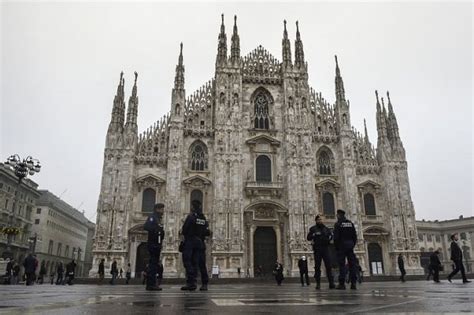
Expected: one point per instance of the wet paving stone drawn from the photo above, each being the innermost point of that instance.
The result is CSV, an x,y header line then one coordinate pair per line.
x,y
262,298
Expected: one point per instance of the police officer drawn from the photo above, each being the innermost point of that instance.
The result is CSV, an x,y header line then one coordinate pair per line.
x,y
156,234
345,239
320,236
195,229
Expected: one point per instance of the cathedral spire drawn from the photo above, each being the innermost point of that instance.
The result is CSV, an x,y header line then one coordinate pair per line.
x,y
391,116
366,135
179,77
118,109
340,94
299,52
132,111
380,118
222,45
286,47
235,47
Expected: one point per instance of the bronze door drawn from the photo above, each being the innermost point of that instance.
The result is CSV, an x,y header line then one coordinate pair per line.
x,y
265,251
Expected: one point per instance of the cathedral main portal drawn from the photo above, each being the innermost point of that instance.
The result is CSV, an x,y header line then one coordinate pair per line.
x,y
265,250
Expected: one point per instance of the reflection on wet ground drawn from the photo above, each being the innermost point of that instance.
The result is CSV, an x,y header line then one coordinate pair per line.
x,y
373,297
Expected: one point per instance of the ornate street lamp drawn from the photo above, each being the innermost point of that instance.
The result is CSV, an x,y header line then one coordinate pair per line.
x,y
21,168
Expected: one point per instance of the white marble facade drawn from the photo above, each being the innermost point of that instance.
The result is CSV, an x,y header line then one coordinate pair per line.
x,y
261,148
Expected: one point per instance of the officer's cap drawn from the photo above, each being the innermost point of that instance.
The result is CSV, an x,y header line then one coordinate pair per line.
x,y
341,212
317,217
159,206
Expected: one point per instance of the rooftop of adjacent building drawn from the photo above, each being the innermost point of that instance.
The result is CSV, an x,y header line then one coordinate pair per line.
x,y
49,199
458,222
9,174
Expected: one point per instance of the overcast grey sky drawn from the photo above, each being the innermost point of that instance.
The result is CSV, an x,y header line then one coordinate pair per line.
x,y
60,66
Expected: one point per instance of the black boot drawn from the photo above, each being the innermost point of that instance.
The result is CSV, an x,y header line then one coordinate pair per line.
x,y
203,287
353,286
188,287
341,286
318,286
331,285
153,288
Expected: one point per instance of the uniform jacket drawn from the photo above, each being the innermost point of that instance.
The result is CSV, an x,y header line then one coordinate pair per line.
x,y
456,252
195,227
101,268
345,235
320,236
155,230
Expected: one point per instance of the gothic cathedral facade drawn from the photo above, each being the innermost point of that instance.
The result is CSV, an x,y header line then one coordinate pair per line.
x,y
265,154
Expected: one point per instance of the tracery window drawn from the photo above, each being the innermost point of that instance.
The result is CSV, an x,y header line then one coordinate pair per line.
x,y
324,163
199,156
262,119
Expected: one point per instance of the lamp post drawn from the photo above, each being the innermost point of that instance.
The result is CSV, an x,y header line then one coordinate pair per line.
x,y
32,240
21,169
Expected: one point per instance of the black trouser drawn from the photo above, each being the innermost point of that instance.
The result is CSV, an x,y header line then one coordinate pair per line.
x,y
59,280
435,273
304,276
155,251
430,272
459,267
322,254
30,278
190,259
202,265
342,254
402,274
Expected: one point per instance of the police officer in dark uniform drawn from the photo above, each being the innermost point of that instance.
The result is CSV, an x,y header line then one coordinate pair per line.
x,y
320,236
195,229
156,234
345,239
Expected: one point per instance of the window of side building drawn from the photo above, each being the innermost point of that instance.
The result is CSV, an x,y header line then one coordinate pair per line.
x,y
430,238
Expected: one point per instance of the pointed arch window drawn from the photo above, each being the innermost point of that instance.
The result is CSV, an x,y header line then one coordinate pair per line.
x,y
148,200
264,169
198,156
324,163
261,103
328,204
369,204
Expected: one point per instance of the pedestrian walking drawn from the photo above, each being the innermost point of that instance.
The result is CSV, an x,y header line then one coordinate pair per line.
x,y
113,272
51,277
278,273
435,265
320,237
238,272
360,272
15,273
159,274
70,271
456,257
60,272
195,229
401,267
9,271
144,273
156,234
303,267
345,239
101,270
120,273
128,274
30,268
42,272
430,272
